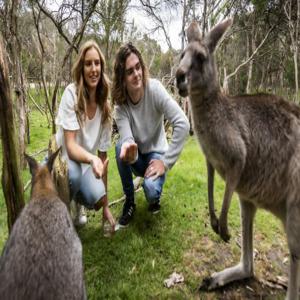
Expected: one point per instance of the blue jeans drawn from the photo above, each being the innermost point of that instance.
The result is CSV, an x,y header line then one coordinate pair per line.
x,y
152,188
85,189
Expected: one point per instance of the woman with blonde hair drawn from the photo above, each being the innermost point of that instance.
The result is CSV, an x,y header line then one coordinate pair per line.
x,y
84,130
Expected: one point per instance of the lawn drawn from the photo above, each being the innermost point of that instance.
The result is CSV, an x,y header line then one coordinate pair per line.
x,y
134,263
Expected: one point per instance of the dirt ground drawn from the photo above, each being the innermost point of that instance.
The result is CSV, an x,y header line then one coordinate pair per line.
x,y
270,267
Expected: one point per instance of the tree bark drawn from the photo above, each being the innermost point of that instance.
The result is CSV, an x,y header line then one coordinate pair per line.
x,y
294,33
14,48
11,177
251,45
60,174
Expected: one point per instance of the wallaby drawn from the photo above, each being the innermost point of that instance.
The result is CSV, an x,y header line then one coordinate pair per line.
x,y
42,258
253,141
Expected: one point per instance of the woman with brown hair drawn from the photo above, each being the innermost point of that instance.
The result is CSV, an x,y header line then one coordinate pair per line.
x,y
84,128
141,104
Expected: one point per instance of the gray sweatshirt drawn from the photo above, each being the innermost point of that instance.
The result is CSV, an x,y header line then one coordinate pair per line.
x,y
142,123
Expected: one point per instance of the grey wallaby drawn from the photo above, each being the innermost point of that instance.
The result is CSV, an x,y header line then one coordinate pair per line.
x,y
42,258
253,142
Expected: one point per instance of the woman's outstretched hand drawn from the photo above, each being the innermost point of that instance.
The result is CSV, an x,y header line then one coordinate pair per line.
x,y
107,216
128,152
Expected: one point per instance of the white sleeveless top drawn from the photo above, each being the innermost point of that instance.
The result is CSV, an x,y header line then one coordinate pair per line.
x,y
92,136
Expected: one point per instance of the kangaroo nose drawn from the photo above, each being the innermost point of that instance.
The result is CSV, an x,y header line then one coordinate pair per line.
x,y
180,76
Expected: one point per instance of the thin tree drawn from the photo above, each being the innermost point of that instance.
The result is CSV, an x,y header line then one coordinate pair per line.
x,y
11,175
72,44
13,45
293,16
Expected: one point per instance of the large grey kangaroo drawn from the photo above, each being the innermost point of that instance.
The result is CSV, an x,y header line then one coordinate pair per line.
x,y
253,142
42,258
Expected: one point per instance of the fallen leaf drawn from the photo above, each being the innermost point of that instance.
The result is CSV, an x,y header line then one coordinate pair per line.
x,y
173,279
285,260
153,263
132,270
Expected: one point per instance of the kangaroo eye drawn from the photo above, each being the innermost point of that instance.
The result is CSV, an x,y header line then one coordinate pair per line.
x,y
182,55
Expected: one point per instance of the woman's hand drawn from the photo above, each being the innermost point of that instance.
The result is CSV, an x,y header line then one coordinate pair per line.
x,y
98,167
155,169
107,215
128,152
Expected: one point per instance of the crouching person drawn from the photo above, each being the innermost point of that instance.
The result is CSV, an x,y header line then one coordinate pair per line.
x,y
42,258
84,128
141,105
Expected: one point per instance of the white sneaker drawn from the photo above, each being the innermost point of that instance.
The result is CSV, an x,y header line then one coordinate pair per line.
x,y
80,218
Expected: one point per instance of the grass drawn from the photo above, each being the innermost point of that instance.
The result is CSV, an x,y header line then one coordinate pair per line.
x,y
134,263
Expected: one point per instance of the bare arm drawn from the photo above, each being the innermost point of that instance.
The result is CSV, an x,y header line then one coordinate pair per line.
x,y
104,159
106,211
79,154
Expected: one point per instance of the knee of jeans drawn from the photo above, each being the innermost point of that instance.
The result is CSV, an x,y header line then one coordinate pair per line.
x,y
152,190
75,179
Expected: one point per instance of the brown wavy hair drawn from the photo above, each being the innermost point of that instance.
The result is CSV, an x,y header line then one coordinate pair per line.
x,y
103,86
119,91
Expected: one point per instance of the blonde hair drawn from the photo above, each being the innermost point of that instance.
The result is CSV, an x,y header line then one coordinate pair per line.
x,y
103,86
119,92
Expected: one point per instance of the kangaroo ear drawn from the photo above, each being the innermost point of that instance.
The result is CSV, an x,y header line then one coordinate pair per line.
x,y
33,164
51,159
212,38
193,32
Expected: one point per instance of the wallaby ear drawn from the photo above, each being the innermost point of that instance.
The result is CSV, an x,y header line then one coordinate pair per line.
x,y
193,32
212,38
51,159
33,164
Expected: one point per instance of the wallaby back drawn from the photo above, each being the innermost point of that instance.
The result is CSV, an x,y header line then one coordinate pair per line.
x,y
42,258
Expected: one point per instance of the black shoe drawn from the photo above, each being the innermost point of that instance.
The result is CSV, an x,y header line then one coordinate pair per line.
x,y
154,207
127,215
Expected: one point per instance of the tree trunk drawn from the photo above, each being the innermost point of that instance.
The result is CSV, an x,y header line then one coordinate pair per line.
x,y
60,174
11,177
14,47
225,82
184,17
251,47
296,72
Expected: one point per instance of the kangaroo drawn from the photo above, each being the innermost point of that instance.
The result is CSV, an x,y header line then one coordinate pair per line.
x,y
253,142
42,258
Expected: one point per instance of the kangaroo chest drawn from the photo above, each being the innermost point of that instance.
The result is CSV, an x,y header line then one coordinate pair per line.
x,y
212,147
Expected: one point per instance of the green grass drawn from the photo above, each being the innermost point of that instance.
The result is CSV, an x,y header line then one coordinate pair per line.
x,y
39,133
134,263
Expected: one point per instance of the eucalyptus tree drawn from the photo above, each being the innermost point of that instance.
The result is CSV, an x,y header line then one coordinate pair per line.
x,y
292,13
10,11
109,25
11,173
70,19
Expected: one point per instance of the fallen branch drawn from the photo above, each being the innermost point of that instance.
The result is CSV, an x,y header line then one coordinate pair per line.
x,y
278,283
137,187
122,198
39,152
27,185
36,105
